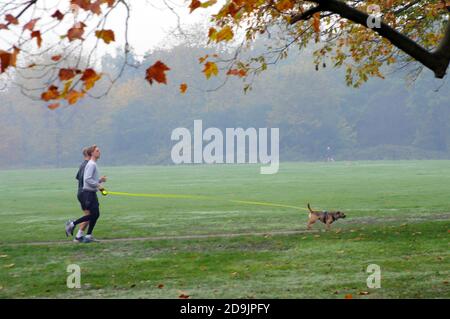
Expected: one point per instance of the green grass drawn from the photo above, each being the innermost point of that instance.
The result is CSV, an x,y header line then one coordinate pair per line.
x,y
397,217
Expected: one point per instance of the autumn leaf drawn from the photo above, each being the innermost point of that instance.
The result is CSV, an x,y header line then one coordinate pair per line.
x,y
284,5
8,59
348,296
37,35
51,94
89,78
84,4
3,26
157,72
73,96
105,35
183,88
210,69
66,89
203,59
226,34
11,19
58,15
241,73
56,58
30,25
363,293
316,22
160,286
183,296
95,7
76,32
53,106
66,74
194,5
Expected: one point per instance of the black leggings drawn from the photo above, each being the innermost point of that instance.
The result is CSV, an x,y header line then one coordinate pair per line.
x,y
94,214
91,202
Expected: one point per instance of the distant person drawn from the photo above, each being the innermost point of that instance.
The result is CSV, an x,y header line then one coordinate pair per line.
x,y
80,177
329,155
91,184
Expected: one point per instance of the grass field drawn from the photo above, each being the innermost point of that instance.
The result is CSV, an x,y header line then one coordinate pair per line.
x,y
397,217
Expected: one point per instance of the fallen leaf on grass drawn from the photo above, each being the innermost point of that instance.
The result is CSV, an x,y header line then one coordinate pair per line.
x,y
445,282
348,296
363,293
183,296
160,286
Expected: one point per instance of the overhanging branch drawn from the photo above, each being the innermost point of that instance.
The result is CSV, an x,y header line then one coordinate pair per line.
x,y
436,61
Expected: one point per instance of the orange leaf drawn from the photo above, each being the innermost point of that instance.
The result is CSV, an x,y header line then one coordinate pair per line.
x,y
183,88
56,58
95,7
194,5
3,26
8,59
5,60
284,5
58,15
37,35
76,31
202,59
84,4
73,96
11,19
30,25
226,34
316,22
183,296
53,106
66,74
157,72
51,94
105,35
348,296
241,73
160,286
210,69
89,78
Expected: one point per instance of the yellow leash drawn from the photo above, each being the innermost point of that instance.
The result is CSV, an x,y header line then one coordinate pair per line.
x,y
179,196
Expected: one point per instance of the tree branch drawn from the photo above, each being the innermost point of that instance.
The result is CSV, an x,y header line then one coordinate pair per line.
x,y
436,61
306,15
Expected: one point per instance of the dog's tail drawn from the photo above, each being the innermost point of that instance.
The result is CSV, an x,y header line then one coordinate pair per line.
x,y
309,207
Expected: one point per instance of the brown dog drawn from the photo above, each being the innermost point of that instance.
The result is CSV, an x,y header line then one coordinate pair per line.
x,y
325,217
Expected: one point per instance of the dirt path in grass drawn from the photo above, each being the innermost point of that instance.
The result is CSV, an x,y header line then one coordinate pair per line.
x,y
360,221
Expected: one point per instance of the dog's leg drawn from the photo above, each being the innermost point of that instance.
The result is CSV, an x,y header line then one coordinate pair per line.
x,y
311,221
